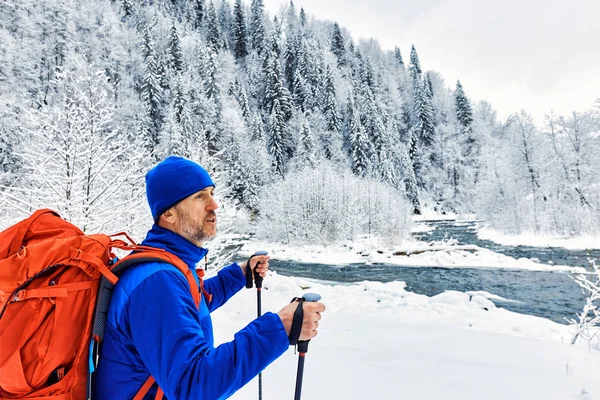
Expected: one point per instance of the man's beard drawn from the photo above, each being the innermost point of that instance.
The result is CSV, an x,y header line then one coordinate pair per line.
x,y
191,230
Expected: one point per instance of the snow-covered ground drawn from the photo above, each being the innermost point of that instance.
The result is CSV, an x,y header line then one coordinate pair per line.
x,y
379,341
418,254
571,243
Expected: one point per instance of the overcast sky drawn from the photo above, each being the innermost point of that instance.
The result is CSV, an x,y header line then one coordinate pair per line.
x,y
537,55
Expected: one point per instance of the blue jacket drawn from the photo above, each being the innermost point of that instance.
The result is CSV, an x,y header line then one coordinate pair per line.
x,y
154,328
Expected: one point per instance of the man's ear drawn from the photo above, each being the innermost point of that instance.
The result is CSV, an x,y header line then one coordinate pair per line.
x,y
168,217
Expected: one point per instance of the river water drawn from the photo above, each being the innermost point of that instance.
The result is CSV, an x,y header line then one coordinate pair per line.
x,y
552,295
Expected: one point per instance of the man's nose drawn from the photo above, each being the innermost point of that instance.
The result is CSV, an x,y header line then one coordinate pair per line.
x,y
212,205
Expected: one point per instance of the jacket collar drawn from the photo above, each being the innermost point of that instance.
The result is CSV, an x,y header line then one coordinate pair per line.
x,y
176,244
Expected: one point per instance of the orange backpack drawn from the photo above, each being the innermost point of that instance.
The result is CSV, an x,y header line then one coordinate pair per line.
x,y
55,289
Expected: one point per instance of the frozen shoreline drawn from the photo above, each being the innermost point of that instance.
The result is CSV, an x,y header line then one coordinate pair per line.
x,y
419,254
569,243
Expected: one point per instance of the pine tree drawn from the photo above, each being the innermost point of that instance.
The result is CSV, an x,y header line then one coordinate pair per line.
x,y
371,120
275,90
213,36
414,60
196,11
330,109
175,53
366,74
464,113
386,162
244,104
212,83
302,17
152,94
428,86
398,57
275,38
291,16
424,124
300,92
410,182
466,169
290,59
162,61
258,131
278,145
306,145
337,45
359,147
257,26
183,127
225,17
240,40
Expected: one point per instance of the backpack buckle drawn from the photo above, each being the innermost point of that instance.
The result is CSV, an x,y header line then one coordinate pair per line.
x,y
20,295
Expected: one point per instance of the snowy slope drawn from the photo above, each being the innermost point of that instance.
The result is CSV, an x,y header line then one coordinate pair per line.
x,y
379,341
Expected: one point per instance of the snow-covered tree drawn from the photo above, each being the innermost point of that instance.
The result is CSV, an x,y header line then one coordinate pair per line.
x,y
306,146
78,160
153,95
196,12
464,113
257,26
337,44
398,57
240,39
359,147
414,60
211,25
278,142
175,52
587,324
225,17
275,90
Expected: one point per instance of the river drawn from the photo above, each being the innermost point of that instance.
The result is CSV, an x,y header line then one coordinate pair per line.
x,y
552,295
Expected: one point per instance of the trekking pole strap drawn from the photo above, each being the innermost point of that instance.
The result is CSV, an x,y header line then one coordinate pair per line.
x,y
296,322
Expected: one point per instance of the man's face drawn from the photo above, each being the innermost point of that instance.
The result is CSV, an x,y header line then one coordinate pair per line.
x,y
195,215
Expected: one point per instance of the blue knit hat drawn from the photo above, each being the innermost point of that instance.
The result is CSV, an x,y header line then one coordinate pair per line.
x,y
171,181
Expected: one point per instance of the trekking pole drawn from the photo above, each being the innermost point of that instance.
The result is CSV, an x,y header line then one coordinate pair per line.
x,y
302,344
258,282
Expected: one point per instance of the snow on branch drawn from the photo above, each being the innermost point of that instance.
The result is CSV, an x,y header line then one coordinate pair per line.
x,y
587,324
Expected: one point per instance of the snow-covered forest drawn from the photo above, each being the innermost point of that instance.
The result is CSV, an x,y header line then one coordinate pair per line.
x,y
311,134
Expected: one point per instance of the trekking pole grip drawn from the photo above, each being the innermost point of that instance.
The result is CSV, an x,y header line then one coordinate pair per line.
x,y
302,344
298,320
257,278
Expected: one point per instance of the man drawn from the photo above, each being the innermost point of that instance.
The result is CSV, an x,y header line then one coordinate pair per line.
x,y
153,326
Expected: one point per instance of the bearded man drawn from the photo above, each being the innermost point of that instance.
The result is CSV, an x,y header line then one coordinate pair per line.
x,y
155,336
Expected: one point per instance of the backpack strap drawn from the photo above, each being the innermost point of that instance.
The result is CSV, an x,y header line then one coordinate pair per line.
x,y
146,387
144,254
159,255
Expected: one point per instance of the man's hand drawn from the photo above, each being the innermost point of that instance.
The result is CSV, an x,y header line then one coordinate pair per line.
x,y
261,269
312,316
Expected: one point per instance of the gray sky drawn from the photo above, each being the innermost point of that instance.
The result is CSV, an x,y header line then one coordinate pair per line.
x,y
539,55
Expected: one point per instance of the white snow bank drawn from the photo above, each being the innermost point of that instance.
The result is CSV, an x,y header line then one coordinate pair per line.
x,y
420,254
570,243
378,341
422,228
490,296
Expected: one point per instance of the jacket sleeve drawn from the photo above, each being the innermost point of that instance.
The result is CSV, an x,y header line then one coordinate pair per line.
x,y
165,329
225,284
